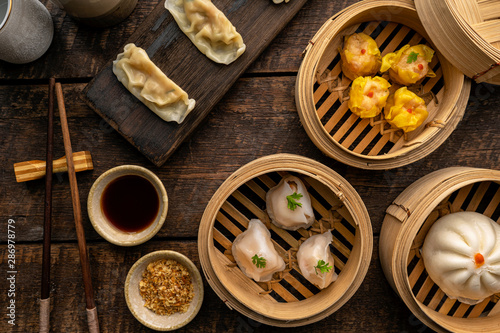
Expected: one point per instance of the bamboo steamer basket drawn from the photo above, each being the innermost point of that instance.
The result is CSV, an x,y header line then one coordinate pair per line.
x,y
289,300
372,143
403,232
467,32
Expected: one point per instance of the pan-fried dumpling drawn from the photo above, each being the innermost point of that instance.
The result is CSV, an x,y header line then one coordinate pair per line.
x,y
150,85
316,261
289,204
461,253
208,28
255,254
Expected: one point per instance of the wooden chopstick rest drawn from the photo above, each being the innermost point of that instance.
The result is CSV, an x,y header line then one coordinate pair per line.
x,y
31,170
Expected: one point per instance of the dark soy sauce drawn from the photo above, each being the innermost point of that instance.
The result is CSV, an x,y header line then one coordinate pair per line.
x,y
130,203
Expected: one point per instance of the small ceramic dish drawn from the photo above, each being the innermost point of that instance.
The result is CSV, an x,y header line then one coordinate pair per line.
x,y
104,227
147,317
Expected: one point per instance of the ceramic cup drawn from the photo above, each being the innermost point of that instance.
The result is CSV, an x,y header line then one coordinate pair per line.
x,y
99,220
26,30
97,13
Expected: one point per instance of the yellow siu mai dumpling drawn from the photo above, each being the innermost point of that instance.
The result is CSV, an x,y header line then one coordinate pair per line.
x,y
405,110
360,56
409,64
368,96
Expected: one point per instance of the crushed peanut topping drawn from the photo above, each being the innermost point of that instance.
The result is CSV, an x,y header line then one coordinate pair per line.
x,y
166,287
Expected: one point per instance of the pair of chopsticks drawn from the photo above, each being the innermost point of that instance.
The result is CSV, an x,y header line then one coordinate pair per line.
x,y
77,214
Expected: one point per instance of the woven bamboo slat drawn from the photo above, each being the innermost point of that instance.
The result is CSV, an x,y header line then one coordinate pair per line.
x,y
289,300
405,226
372,143
467,32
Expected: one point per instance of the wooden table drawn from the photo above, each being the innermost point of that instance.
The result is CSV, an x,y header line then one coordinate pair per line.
x,y
257,117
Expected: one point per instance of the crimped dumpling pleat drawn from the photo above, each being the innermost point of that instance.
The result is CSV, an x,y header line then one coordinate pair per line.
x,y
208,28
150,85
491,282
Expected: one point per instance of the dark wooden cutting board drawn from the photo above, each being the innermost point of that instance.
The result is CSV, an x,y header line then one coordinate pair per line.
x,y
258,22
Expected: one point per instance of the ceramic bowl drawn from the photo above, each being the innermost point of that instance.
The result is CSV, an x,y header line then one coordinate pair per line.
x,y
101,223
147,317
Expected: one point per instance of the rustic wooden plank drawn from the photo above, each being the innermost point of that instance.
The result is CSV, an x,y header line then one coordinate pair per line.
x,y
283,55
256,117
79,51
241,129
203,80
377,307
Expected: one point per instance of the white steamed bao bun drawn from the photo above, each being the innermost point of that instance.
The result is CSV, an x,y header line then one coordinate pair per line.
x,y
461,254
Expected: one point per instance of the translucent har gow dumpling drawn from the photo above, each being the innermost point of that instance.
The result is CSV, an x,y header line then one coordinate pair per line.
x,y
255,254
316,261
289,204
461,253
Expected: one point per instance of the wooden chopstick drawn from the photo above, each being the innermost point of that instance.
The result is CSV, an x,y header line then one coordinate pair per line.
x,y
77,213
45,294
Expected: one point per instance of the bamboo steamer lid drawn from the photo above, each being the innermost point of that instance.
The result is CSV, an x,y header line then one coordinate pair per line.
x,y
467,32
405,226
289,300
372,143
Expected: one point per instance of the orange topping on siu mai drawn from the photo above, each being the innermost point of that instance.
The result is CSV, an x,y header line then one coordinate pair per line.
x,y
363,51
420,66
370,94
